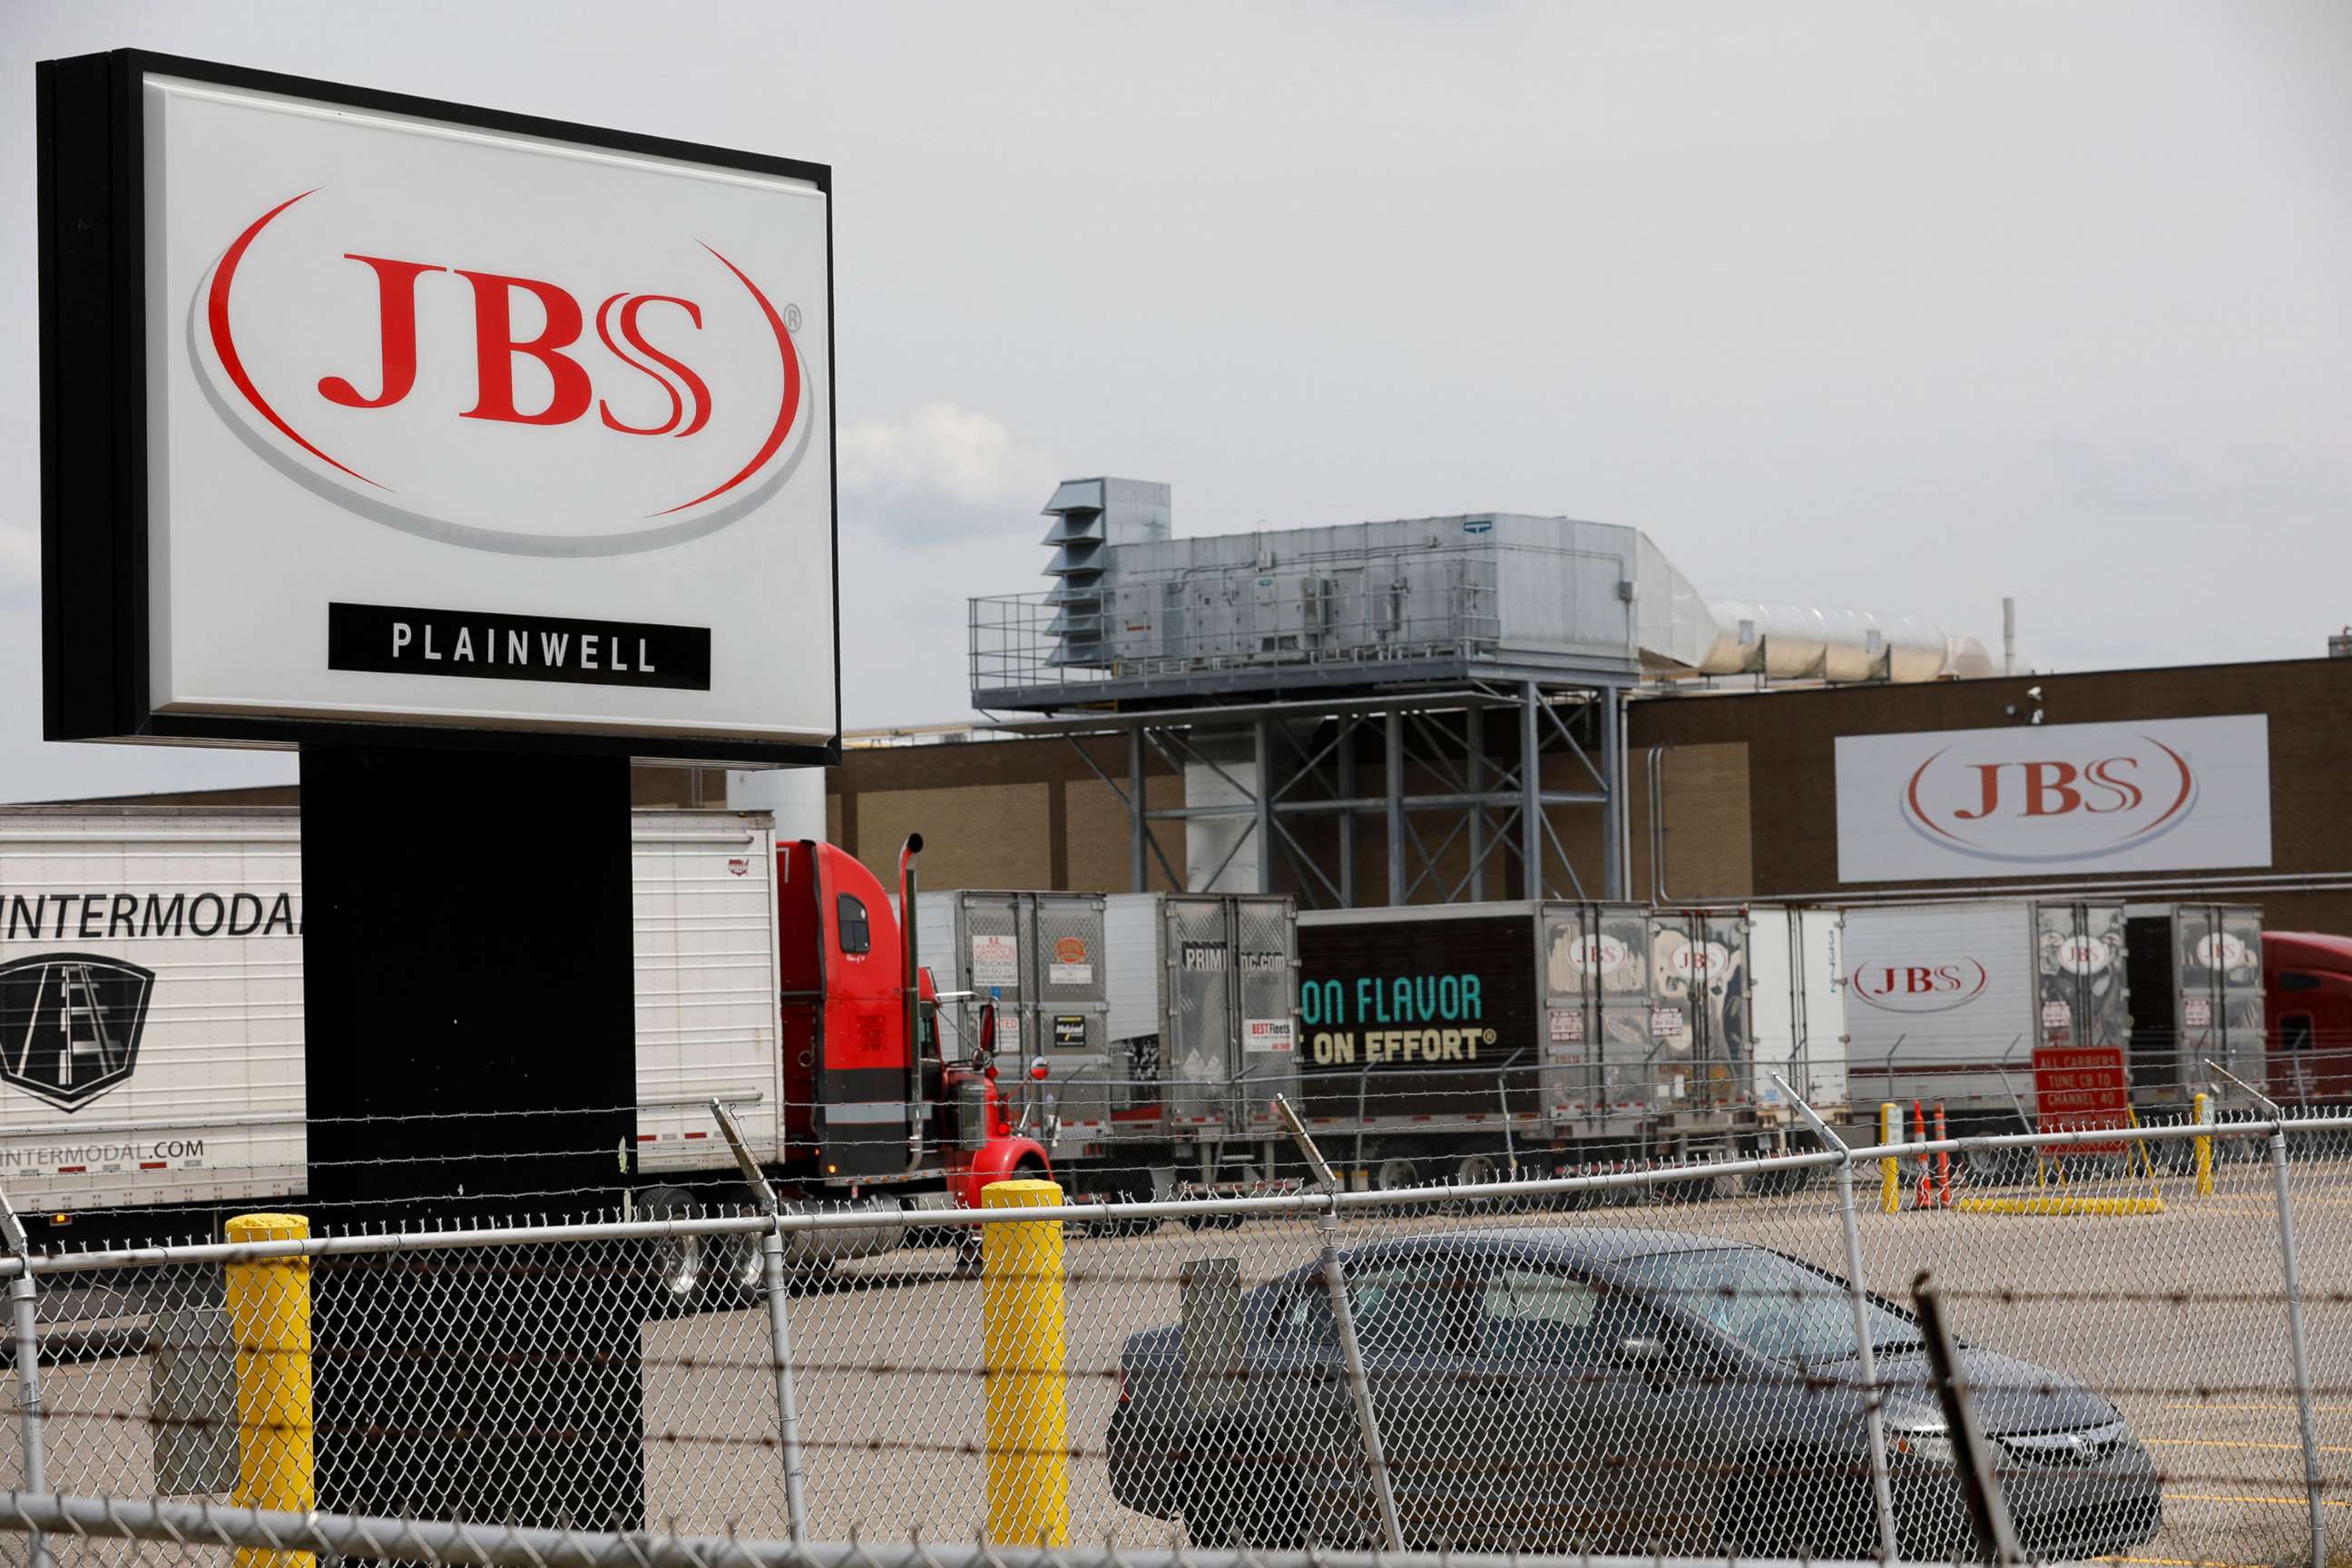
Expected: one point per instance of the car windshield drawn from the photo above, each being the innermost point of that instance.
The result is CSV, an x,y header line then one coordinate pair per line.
x,y
1774,1306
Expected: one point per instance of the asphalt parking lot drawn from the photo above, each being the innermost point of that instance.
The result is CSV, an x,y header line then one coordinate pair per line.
x,y
2176,1317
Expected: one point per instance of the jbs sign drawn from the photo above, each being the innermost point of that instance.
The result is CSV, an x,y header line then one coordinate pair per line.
x,y
706,365
2167,795
523,425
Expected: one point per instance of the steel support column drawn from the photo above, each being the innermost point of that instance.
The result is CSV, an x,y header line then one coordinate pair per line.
x,y
1262,734
1346,764
1613,806
1531,817
1139,829
1473,742
1393,723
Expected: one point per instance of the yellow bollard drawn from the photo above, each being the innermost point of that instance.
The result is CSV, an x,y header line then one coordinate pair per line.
x,y
269,1322
1028,1392
1890,1173
2205,1147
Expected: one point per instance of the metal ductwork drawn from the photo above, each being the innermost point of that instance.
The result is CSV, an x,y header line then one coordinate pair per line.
x,y
1782,641
1484,589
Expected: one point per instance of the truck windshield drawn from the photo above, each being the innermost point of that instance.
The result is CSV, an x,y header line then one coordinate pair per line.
x,y
1773,1305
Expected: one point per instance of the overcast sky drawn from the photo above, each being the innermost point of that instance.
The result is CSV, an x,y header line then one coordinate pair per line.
x,y
1904,306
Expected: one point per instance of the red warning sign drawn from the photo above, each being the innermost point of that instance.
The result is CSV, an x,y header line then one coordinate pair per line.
x,y
2077,1087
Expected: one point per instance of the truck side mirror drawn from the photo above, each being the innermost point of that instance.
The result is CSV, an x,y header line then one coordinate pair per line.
x,y
987,1028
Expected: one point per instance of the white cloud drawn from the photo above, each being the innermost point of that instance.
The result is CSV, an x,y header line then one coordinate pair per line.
x,y
941,471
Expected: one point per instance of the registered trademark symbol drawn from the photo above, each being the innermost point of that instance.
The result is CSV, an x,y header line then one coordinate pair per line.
x,y
1490,1036
792,318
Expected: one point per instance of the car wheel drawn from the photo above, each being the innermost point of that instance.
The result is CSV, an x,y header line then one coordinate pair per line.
x,y
1801,1504
1244,1498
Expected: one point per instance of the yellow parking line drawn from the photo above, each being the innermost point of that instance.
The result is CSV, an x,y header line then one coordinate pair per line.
x,y
2281,1502
2317,1409
2230,1443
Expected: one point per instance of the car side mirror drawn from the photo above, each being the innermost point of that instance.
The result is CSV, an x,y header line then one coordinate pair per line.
x,y
1654,1359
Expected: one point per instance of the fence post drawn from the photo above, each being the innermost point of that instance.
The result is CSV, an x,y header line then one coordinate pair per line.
x,y
2301,1347
1881,1491
1890,1170
780,1345
1021,1344
269,1320
779,1321
2205,1146
21,1290
1343,1319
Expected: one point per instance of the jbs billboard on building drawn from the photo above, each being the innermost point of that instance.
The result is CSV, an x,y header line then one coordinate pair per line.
x,y
2170,794
523,425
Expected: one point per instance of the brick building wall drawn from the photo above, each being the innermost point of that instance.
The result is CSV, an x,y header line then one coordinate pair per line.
x,y
1790,740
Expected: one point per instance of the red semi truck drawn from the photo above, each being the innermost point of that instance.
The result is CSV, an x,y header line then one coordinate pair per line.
x,y
2307,992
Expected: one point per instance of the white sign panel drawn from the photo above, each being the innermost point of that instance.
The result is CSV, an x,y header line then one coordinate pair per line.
x,y
458,420
1269,1034
2170,794
995,961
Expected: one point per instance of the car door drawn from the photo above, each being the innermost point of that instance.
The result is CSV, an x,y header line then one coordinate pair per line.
x,y
1414,1311
1662,1423
1535,1461
1410,1310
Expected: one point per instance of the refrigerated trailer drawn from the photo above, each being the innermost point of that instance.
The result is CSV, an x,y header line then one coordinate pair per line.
x,y
1948,1002
1460,1040
1155,1030
2197,997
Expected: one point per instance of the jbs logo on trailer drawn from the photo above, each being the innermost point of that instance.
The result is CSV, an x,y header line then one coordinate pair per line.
x,y
1602,954
2167,795
2081,955
69,1025
1931,987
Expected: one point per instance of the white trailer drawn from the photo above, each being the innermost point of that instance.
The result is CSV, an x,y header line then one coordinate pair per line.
x,y
151,1001
1947,1002
1797,1005
150,1007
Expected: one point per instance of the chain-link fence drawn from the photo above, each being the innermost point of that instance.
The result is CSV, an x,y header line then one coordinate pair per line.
x,y
1704,1361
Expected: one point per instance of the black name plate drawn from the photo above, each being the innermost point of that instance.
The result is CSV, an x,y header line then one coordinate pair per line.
x,y
398,639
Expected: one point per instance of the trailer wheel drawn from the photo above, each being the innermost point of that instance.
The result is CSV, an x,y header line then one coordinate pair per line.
x,y
677,1261
1395,1171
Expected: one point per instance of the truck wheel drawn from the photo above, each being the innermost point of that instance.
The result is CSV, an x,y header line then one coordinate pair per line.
x,y
677,1260
734,1269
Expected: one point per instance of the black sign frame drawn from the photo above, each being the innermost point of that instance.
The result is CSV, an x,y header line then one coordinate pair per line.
x,y
95,609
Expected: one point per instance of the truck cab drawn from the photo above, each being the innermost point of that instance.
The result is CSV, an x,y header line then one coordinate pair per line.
x,y
870,1098
2307,988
